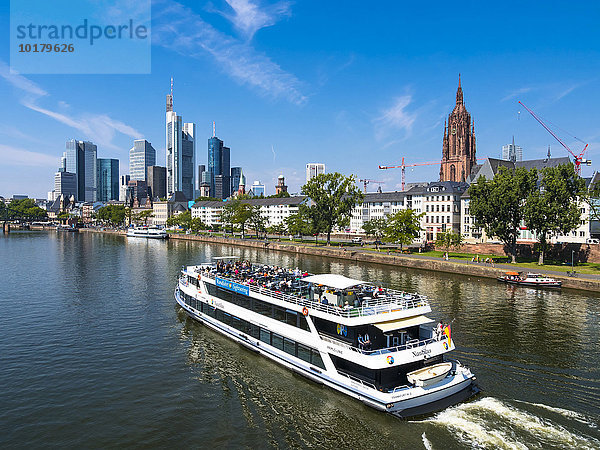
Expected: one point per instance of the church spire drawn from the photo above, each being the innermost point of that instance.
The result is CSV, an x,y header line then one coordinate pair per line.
x,y
459,93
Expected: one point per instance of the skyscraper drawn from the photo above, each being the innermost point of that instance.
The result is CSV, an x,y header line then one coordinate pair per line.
x,y
64,183
108,179
123,182
157,181
314,169
236,173
181,151
218,166
512,152
458,148
258,189
80,159
141,156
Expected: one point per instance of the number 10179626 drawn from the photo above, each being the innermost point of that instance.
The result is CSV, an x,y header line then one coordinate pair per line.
x,y
46,48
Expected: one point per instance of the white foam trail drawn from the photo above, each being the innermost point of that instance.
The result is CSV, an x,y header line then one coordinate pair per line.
x,y
465,420
426,442
565,413
471,430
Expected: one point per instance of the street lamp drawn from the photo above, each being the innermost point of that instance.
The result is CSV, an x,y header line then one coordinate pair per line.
x,y
572,254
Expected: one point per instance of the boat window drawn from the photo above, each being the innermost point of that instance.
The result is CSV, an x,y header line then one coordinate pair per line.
x,y
277,341
303,324
265,336
304,353
291,317
279,314
289,346
315,359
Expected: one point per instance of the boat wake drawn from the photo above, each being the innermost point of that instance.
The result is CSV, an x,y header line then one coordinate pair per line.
x,y
492,423
582,418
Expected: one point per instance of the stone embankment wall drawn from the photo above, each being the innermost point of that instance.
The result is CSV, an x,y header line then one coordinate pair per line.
x,y
559,252
413,261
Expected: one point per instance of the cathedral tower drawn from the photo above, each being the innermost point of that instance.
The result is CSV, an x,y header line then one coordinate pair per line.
x,y
458,150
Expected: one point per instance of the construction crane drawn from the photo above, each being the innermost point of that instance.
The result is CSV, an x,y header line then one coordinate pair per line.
x,y
404,166
578,160
366,181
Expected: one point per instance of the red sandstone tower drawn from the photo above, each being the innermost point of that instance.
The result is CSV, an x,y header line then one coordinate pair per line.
x,y
458,151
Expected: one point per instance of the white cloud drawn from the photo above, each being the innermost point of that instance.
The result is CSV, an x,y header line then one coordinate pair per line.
x,y
395,118
20,82
179,29
16,156
99,128
248,17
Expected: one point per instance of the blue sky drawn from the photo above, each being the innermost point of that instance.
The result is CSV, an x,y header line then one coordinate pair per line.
x,y
349,84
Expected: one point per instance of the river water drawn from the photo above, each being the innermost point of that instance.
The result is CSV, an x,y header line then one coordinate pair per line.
x,y
95,353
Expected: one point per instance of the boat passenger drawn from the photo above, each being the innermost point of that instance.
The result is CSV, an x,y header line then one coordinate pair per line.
x,y
367,342
438,331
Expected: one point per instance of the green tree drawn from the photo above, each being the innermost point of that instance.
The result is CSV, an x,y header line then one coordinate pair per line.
x,y
25,208
375,227
282,194
143,216
228,214
497,204
257,220
298,223
197,225
333,196
403,227
242,215
113,214
449,239
554,207
277,229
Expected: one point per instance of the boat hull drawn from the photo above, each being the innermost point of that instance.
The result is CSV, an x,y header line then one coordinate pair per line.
x,y
555,284
401,404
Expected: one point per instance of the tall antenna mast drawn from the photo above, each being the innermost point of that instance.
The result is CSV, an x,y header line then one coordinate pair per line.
x,y
171,86
214,130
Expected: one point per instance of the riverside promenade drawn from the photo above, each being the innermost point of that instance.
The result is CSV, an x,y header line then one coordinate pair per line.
x,y
586,282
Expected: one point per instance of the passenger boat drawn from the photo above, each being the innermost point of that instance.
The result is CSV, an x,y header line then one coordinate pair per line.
x,y
67,228
530,280
359,339
147,232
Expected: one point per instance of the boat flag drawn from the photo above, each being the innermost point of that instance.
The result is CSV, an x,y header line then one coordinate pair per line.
x,y
447,331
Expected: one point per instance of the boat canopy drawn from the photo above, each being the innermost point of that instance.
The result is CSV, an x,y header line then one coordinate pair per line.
x,y
392,325
221,258
333,280
512,273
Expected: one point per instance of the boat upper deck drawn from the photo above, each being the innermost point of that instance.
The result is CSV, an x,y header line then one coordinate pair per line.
x,y
332,294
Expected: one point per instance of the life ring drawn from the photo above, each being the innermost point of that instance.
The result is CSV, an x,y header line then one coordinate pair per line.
x,y
305,311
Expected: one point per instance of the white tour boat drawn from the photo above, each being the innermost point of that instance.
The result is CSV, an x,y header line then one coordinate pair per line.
x,y
373,344
147,232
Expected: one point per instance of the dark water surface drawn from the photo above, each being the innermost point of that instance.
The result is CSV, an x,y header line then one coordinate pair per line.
x,y
95,353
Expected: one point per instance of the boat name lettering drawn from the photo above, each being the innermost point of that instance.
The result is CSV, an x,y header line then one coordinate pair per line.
x,y
425,351
335,350
232,286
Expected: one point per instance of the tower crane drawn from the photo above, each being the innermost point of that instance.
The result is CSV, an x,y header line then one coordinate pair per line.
x,y
403,166
367,181
578,160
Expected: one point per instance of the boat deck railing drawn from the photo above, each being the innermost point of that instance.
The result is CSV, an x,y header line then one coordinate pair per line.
x,y
414,343
394,301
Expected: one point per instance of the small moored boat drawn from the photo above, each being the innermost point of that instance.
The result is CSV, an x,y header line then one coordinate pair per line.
x,y
530,280
429,375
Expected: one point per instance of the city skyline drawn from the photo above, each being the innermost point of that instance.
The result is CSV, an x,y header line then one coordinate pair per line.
x,y
368,97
